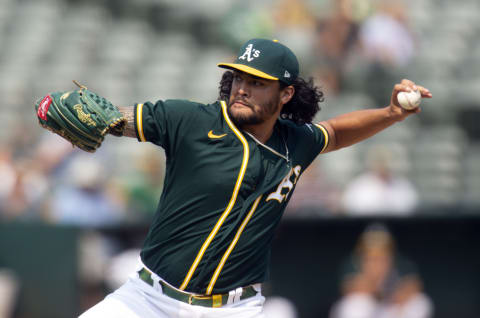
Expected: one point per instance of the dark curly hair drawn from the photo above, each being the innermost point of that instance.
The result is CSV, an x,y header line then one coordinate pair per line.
x,y
300,109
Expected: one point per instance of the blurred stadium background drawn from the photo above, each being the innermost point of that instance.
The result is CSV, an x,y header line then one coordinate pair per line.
x,y
60,208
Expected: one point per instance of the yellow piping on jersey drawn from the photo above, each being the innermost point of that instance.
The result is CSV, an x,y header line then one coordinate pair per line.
x,y
233,199
325,133
140,122
232,245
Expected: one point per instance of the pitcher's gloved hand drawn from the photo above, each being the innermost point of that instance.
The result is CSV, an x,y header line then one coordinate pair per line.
x,y
80,116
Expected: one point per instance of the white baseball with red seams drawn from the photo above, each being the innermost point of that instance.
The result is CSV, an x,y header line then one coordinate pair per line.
x,y
409,100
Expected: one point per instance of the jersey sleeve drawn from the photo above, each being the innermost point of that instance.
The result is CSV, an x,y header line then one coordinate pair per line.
x,y
163,122
310,141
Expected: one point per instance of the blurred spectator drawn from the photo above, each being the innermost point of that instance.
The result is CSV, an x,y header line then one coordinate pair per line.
x,y
23,186
94,255
385,37
143,185
378,282
17,201
379,190
8,177
314,194
408,301
293,14
120,267
52,154
84,199
9,286
252,23
357,301
290,21
386,47
336,39
279,307
294,23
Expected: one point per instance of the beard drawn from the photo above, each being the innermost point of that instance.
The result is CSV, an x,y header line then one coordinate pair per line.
x,y
258,115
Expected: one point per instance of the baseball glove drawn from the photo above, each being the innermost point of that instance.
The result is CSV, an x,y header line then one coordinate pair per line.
x,y
80,116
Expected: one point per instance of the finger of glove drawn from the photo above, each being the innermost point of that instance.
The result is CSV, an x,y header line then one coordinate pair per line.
x,y
73,139
70,136
73,114
104,111
74,130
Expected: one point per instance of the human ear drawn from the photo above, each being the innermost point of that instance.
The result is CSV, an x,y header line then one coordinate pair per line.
x,y
287,94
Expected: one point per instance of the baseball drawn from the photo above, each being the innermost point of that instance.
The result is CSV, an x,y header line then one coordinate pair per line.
x,y
409,100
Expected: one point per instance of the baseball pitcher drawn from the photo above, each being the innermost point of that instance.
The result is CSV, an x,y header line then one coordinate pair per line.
x,y
231,169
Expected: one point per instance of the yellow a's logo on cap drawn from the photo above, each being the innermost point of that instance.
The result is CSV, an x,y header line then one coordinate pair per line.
x,y
249,51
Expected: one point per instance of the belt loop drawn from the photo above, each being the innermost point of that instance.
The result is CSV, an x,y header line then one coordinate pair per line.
x,y
156,283
238,294
139,264
231,296
155,279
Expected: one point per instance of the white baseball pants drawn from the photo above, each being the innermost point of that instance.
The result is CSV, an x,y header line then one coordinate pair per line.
x,y
137,299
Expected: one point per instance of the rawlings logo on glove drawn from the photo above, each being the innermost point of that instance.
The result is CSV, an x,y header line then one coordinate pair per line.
x,y
81,117
43,108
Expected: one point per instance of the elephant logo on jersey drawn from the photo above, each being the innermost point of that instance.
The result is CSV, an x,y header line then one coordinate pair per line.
x,y
285,184
249,51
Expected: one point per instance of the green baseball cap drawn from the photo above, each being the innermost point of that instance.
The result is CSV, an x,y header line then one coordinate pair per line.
x,y
266,59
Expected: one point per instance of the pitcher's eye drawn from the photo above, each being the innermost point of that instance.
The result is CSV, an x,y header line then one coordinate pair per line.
x,y
237,78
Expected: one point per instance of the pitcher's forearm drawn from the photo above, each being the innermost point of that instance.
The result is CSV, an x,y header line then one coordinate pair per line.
x,y
130,126
348,129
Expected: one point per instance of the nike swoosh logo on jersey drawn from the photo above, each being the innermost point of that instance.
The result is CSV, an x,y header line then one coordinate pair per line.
x,y
213,136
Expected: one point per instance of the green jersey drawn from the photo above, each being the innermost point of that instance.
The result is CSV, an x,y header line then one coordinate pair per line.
x,y
224,193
